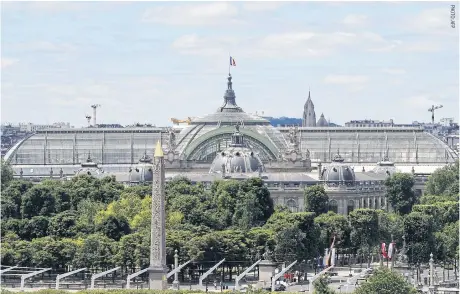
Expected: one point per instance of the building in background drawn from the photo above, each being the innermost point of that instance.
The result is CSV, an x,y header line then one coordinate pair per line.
x,y
309,115
352,162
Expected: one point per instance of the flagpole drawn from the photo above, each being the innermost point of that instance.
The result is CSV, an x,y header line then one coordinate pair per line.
x,y
229,65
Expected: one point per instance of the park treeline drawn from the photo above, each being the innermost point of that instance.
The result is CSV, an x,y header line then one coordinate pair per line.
x,y
99,223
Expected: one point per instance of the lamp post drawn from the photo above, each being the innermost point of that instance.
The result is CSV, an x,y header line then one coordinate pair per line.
x,y
176,274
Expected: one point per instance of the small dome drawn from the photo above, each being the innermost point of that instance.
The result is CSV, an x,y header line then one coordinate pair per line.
x,y
385,167
338,172
322,122
89,167
238,158
143,171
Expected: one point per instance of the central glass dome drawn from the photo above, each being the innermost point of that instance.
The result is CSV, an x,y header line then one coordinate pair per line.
x,y
237,158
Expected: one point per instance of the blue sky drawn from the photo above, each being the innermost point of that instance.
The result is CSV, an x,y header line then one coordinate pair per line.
x,y
150,61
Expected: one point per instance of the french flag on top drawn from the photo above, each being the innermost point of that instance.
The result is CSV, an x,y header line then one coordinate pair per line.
x,y
232,61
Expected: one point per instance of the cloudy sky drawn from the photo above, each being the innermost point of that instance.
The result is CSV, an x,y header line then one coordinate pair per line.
x,y
150,61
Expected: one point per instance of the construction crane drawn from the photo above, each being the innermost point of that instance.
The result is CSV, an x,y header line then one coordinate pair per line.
x,y
432,109
88,118
181,121
94,106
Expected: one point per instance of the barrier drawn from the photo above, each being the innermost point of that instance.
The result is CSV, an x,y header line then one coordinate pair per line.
x,y
61,276
95,276
243,274
26,276
206,274
277,276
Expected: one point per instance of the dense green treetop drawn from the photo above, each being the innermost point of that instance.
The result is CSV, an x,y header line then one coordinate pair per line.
x,y
400,192
444,181
316,199
385,281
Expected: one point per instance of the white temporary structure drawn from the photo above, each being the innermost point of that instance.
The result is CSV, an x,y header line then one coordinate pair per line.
x,y
312,279
96,276
243,274
62,276
8,269
277,276
206,274
131,276
29,275
176,270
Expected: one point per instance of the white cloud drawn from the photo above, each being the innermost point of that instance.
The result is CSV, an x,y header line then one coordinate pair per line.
x,y
7,62
355,20
256,6
194,45
421,101
345,79
44,46
435,21
354,83
192,14
293,44
394,71
421,47
53,7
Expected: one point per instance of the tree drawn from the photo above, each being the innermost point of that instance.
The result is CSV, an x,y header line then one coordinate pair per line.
x,y
87,211
11,198
316,199
330,225
97,251
364,229
258,239
114,227
37,227
247,213
418,229
16,226
444,181
300,226
7,174
133,251
442,212
290,244
38,200
447,242
321,285
64,224
400,192
228,244
385,281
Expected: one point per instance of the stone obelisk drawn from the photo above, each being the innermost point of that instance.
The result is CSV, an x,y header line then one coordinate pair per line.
x,y
158,270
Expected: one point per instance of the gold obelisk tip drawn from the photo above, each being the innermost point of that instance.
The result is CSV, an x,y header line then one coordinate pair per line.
x,y
158,150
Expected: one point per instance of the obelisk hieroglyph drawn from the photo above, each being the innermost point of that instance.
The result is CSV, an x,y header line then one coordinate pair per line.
x,y
158,270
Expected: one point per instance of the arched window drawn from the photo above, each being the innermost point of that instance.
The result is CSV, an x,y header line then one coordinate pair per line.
x,y
333,206
350,206
292,205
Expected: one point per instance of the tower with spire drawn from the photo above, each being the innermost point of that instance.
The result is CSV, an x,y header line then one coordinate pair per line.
x,y
229,104
309,115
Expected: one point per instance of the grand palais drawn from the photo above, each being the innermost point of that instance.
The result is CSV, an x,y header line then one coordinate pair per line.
x,y
351,162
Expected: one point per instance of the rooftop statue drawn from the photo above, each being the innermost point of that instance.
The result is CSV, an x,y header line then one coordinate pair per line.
x,y
171,140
